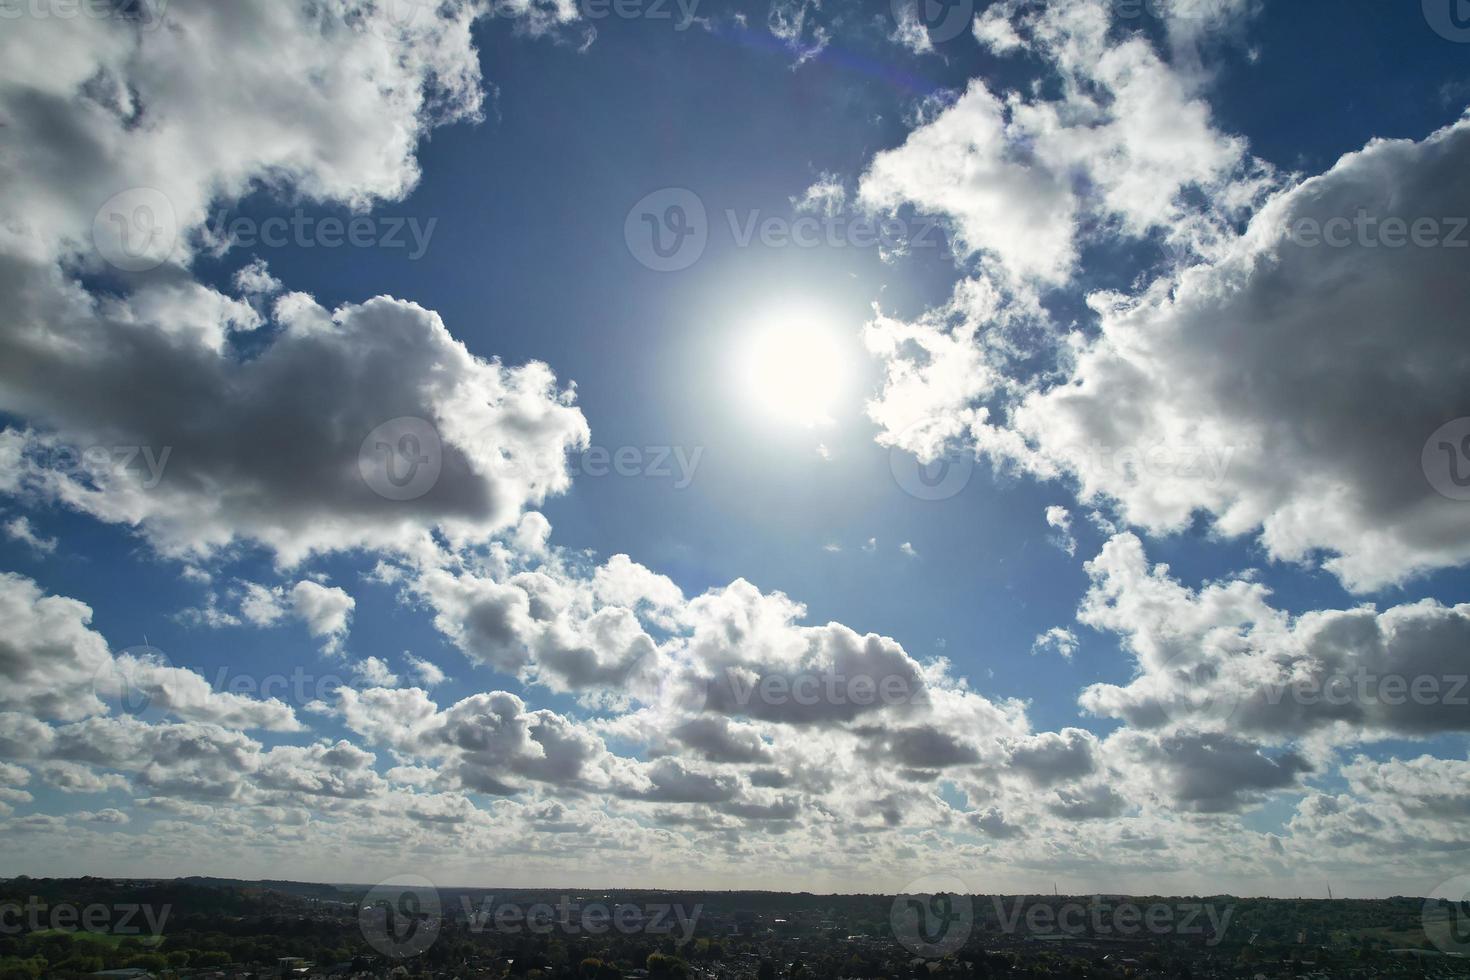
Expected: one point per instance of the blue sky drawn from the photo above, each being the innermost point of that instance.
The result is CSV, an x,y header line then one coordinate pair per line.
x,y
1102,200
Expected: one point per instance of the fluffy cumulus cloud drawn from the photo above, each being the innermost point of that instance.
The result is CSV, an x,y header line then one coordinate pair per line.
x,y
718,731
325,610
1222,658
1239,392
206,446
1232,385
1017,176
56,666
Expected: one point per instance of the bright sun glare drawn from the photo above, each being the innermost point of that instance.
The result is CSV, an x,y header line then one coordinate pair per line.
x,y
794,367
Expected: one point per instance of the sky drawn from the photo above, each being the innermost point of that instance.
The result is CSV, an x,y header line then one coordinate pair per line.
x,y
799,446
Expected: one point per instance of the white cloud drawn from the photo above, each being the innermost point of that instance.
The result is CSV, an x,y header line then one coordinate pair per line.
x,y
1304,461
1061,519
429,674
19,529
1058,638
794,23
266,448
56,666
325,610
72,777
375,672
1148,413
1223,659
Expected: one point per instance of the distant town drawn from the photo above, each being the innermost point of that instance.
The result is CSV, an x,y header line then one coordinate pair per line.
x,y
214,929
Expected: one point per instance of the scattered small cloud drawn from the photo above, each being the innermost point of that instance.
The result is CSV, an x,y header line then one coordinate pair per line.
x,y
19,529
1061,519
430,675
375,672
1057,639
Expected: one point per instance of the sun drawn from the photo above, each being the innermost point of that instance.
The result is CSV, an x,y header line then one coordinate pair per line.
x,y
794,367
